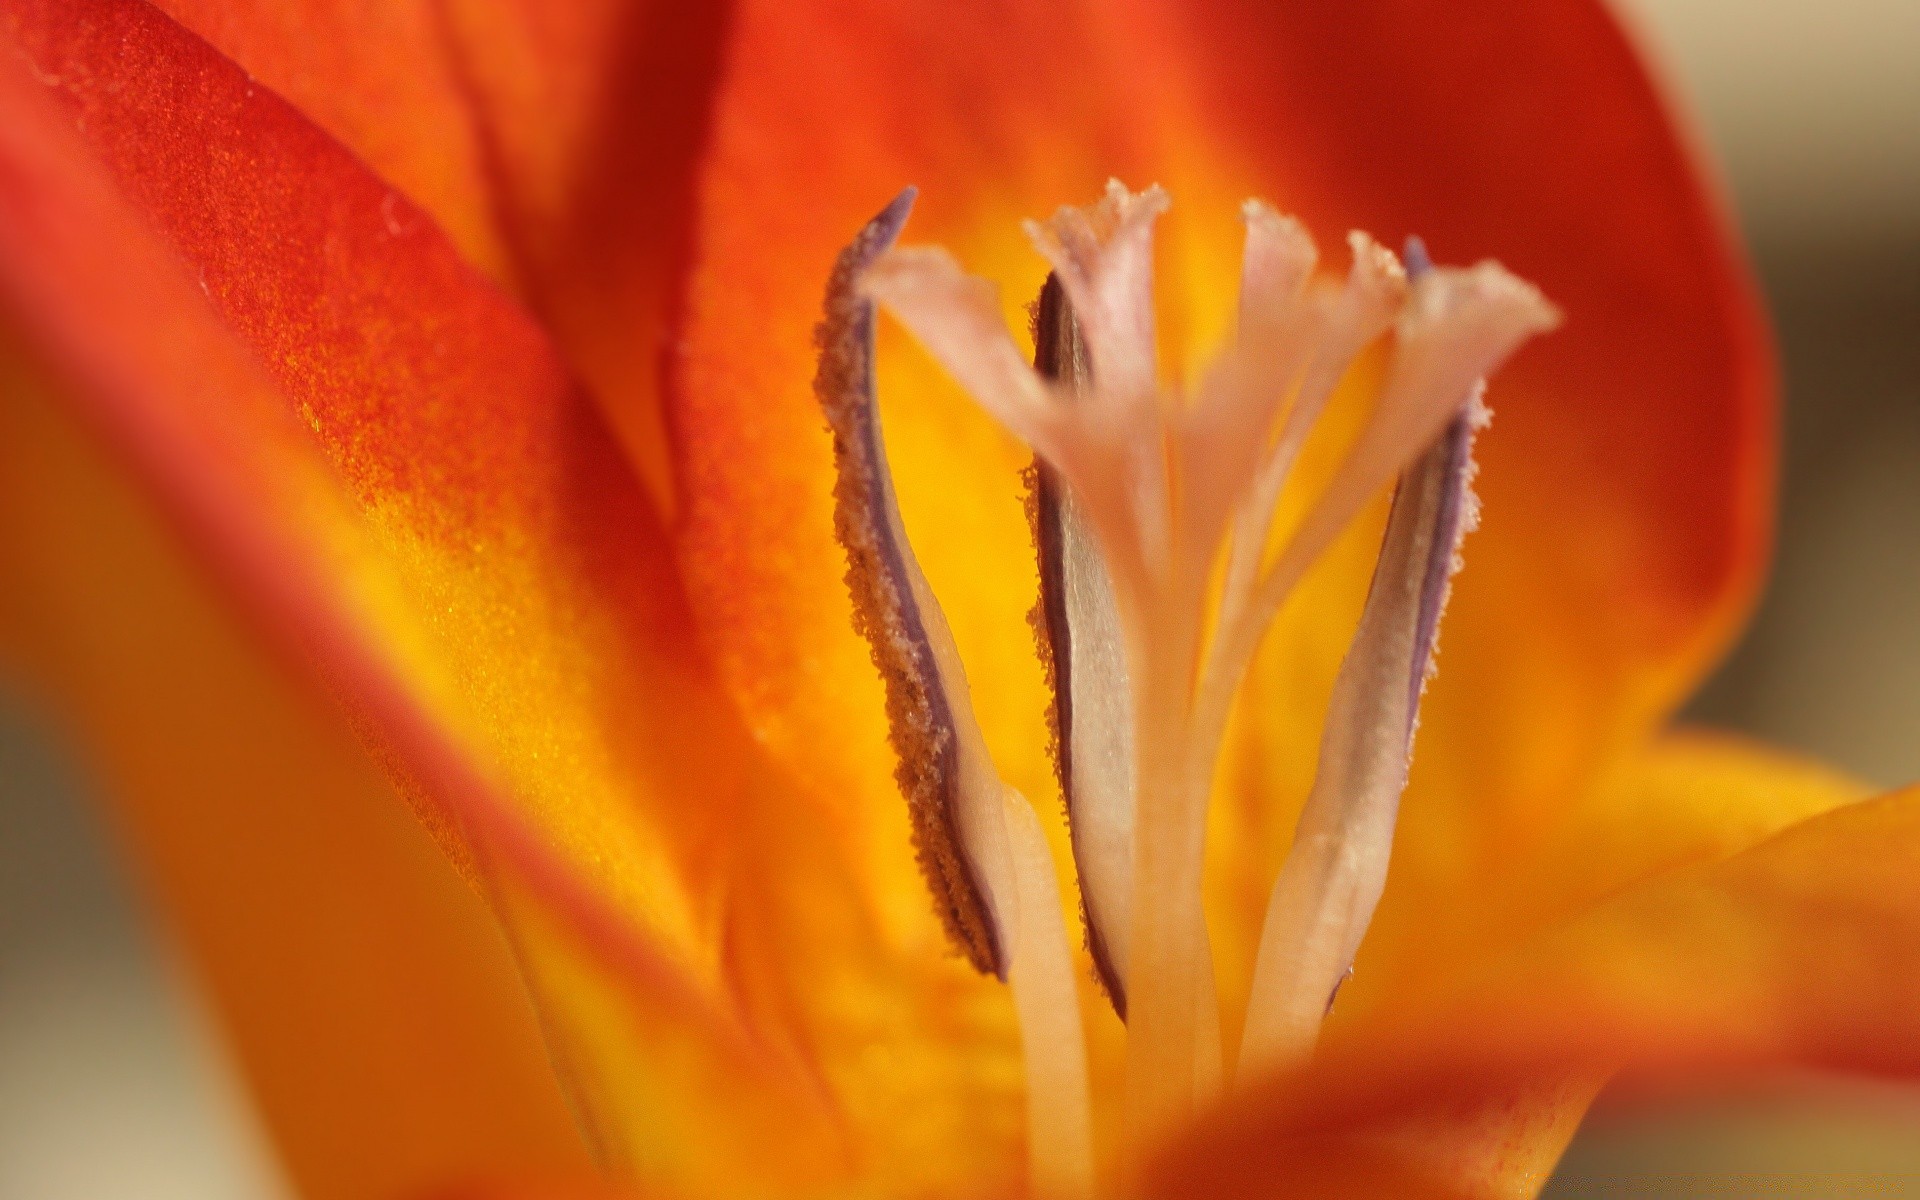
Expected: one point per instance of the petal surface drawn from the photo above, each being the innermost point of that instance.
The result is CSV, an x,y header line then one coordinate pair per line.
x,y
1800,953
377,454
379,1016
553,142
380,458
1687,798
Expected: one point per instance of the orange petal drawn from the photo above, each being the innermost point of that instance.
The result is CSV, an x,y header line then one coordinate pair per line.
x,y
1802,953
1474,1140
1687,798
1690,797
379,456
554,142
443,523
379,1018
385,80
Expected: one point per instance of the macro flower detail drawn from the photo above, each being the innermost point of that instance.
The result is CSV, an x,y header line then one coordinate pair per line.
x,y
980,845
1137,495
417,501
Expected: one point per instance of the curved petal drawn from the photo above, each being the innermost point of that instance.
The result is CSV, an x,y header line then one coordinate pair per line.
x,y
381,1022
1801,953
1686,798
553,142
384,80
1465,1142
1690,797
378,456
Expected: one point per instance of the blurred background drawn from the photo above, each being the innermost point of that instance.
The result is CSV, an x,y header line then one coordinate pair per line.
x,y
112,1084
1813,108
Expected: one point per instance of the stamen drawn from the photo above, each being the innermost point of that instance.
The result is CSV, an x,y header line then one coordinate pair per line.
x,y
1124,436
980,845
1077,624
894,611
1083,643
1139,493
1103,259
1334,874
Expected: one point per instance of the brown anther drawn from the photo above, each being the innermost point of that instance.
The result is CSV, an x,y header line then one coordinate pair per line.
x,y
887,610
1060,354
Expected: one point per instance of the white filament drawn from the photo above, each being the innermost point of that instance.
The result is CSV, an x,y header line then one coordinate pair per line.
x,y
1004,841
1333,877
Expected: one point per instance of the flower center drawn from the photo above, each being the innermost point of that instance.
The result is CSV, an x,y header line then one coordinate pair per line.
x,y
1153,517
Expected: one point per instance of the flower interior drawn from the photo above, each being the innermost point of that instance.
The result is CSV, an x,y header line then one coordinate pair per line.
x,y
1160,572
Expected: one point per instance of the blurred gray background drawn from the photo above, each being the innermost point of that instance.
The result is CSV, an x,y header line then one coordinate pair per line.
x,y
112,1085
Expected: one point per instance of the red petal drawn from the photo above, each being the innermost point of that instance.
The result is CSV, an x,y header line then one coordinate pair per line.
x,y
412,494
379,455
554,142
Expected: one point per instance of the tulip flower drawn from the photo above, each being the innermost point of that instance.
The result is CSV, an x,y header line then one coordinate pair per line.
x,y
420,502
